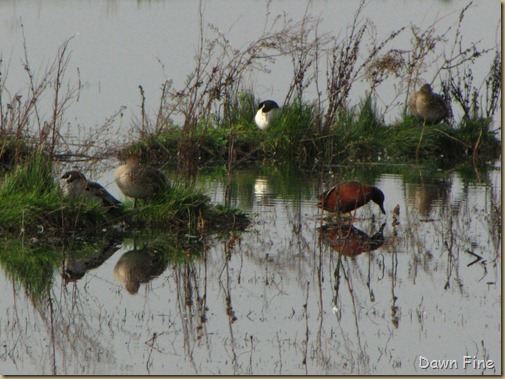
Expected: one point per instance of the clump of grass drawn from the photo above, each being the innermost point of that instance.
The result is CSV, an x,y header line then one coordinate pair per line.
x,y
479,139
35,177
185,208
31,201
180,205
12,150
442,144
359,134
291,135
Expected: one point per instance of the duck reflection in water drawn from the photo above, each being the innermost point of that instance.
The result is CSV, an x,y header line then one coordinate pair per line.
x,y
75,269
424,196
350,241
139,266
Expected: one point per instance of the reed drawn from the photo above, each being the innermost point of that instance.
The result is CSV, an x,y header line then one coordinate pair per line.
x,y
218,109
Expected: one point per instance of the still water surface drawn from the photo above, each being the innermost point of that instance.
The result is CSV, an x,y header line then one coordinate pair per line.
x,y
281,298
118,45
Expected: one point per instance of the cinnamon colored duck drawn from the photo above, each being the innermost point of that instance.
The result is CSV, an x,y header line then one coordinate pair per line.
x,y
349,196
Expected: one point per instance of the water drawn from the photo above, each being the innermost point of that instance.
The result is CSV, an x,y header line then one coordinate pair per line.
x,y
118,46
277,298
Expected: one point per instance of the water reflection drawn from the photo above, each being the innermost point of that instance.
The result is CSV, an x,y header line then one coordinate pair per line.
x,y
139,266
348,240
75,267
263,192
424,195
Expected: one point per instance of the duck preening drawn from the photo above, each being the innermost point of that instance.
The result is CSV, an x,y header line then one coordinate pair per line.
x,y
349,196
266,111
74,184
138,180
428,106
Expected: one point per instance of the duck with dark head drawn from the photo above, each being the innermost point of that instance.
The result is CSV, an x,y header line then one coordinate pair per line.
x,y
74,184
349,196
267,110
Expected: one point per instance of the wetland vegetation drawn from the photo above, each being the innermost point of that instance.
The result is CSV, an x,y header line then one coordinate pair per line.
x,y
214,272
216,110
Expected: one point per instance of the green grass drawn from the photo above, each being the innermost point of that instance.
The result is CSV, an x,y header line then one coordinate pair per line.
x,y
31,202
184,207
297,135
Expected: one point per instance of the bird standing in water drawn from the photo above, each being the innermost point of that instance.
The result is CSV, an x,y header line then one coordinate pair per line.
x,y
267,110
349,196
427,106
138,180
74,184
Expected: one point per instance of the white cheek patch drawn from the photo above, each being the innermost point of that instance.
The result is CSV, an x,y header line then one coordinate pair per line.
x,y
261,119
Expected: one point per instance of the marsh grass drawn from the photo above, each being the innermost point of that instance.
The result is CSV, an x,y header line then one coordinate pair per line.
x,y
179,205
32,202
357,135
185,209
218,110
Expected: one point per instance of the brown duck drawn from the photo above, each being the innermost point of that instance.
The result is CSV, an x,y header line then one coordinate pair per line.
x,y
428,106
138,180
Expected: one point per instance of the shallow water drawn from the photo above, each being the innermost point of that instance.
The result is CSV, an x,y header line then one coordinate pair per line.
x,y
278,298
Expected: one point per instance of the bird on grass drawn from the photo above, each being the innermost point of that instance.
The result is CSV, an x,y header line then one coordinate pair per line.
x,y
349,196
427,106
75,185
138,180
267,110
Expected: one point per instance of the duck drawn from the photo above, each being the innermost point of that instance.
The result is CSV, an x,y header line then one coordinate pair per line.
x,y
75,185
349,196
267,110
138,180
427,106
